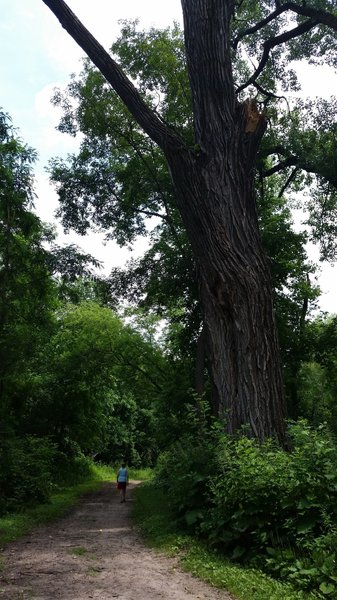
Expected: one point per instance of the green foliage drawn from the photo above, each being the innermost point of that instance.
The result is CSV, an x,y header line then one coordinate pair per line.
x,y
13,526
105,379
184,472
153,514
260,504
140,474
317,382
71,469
25,471
120,181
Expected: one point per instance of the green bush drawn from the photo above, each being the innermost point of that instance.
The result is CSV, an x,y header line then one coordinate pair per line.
x,y
25,471
183,473
71,470
260,504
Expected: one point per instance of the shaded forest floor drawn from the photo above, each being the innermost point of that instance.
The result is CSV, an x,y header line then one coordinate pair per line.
x,y
94,552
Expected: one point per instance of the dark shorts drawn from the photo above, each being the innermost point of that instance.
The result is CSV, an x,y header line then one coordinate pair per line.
x,y
121,485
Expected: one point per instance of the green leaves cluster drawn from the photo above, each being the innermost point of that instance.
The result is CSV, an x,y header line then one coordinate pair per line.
x,y
260,504
74,379
119,182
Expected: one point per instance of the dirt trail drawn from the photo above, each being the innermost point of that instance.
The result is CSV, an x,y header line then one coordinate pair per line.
x,y
94,552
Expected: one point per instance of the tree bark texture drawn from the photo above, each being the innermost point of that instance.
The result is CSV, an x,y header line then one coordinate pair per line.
x,y
215,195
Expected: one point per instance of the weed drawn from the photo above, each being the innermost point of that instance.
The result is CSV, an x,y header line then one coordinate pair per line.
x,y
154,517
93,571
80,551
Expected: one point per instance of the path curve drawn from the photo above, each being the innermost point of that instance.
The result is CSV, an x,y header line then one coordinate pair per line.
x,y
94,552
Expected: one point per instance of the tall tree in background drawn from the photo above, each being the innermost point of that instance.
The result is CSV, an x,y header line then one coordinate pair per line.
x,y
32,269
214,178
27,294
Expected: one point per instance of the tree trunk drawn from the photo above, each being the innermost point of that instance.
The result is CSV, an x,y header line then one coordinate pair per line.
x,y
215,195
235,291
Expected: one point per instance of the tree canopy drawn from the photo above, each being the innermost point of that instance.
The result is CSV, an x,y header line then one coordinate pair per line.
x,y
213,165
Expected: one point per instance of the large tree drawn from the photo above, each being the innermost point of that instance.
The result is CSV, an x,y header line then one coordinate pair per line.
x,y
34,273
213,180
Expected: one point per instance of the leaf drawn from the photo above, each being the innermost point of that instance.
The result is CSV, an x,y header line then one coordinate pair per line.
x,y
238,552
306,525
327,588
192,516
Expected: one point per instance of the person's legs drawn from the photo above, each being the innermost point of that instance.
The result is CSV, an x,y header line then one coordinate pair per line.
x,y
122,492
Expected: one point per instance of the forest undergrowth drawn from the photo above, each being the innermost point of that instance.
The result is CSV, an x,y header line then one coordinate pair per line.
x,y
256,505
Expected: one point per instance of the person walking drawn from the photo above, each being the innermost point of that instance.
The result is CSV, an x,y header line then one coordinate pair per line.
x,y
122,481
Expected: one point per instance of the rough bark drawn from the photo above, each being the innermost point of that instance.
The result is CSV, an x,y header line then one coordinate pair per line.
x,y
236,294
215,195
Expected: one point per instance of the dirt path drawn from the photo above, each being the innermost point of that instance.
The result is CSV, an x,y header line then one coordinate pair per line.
x,y
94,552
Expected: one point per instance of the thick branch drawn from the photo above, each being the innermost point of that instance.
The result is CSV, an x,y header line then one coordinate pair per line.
x,y
158,131
294,161
276,41
288,162
321,16
259,25
288,182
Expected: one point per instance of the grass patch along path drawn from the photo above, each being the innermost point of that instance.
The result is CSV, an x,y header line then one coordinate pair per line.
x,y
94,553
152,514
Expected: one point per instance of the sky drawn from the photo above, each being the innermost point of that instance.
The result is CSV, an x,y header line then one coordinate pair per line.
x,y
37,55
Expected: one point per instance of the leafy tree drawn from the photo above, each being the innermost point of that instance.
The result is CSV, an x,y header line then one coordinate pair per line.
x,y
214,174
27,294
317,377
99,386
163,281
34,273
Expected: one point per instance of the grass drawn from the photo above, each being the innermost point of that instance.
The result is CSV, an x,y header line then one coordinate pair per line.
x,y
152,514
140,474
79,551
13,526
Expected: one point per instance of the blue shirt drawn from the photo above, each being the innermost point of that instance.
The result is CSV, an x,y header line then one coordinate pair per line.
x,y
122,475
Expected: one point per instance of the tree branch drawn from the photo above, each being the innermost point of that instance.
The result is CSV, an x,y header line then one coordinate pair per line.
x,y
288,182
269,95
158,131
259,25
288,162
276,41
321,16
141,211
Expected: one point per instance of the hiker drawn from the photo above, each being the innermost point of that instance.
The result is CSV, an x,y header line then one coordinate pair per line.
x,y
122,480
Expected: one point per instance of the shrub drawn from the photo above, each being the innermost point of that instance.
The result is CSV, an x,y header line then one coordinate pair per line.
x,y
71,470
183,473
25,471
261,504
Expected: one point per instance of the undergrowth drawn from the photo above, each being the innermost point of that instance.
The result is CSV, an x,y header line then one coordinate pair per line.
x,y
14,525
257,504
155,519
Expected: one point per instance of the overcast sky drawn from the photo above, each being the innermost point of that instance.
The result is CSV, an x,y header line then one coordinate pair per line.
x,y
38,55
